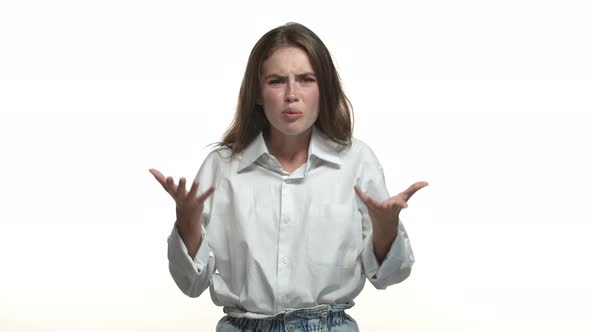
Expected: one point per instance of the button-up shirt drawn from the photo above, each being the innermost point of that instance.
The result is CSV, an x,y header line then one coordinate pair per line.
x,y
274,241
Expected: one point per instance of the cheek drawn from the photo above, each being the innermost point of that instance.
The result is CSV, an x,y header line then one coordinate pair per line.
x,y
271,97
313,97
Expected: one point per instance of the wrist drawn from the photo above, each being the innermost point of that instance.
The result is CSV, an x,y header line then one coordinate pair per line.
x,y
385,227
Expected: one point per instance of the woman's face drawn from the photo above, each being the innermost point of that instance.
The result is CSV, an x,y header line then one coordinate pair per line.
x,y
290,92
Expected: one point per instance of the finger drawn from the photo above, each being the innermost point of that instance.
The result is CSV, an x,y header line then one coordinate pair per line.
x,y
170,186
399,202
368,200
396,202
413,189
206,194
181,192
159,177
360,193
193,192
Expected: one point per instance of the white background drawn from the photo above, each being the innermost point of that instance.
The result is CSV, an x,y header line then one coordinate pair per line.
x,y
486,100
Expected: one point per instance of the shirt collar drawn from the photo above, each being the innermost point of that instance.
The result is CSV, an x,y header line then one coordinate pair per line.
x,y
320,146
323,147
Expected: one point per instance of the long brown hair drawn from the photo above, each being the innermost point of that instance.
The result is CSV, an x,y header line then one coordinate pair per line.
x,y
335,110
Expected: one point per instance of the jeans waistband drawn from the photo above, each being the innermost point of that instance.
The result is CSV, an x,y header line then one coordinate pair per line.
x,y
309,312
320,317
319,311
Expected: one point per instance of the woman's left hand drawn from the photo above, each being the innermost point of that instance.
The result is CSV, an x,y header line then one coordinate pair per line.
x,y
387,212
385,217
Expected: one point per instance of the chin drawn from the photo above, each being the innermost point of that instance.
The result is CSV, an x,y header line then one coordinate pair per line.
x,y
293,130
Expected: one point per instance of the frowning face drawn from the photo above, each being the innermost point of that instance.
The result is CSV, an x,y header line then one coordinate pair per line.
x,y
289,92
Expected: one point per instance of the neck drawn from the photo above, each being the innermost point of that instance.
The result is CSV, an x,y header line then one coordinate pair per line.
x,y
288,147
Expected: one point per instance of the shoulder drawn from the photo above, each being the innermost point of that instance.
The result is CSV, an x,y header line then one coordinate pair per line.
x,y
217,159
360,156
359,145
220,153
360,150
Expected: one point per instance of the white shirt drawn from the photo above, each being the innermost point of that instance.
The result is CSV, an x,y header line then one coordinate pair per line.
x,y
274,241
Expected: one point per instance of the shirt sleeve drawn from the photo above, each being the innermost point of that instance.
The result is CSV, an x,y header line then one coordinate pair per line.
x,y
397,264
192,275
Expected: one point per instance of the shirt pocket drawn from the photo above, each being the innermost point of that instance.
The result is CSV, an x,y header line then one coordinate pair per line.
x,y
335,235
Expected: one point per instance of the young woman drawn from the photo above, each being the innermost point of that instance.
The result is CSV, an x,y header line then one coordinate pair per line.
x,y
290,214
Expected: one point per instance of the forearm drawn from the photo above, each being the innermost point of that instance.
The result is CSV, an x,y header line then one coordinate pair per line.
x,y
191,236
396,264
191,274
384,234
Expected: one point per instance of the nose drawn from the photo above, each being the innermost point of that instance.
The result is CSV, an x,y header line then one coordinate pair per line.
x,y
291,94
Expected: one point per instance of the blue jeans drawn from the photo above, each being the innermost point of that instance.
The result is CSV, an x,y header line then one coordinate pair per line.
x,y
322,318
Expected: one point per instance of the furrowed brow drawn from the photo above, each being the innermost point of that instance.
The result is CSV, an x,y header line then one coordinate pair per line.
x,y
274,76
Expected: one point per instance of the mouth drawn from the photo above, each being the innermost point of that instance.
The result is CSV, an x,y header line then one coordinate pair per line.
x,y
291,111
292,114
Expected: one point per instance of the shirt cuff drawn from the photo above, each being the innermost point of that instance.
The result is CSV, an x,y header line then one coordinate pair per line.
x,y
178,253
397,261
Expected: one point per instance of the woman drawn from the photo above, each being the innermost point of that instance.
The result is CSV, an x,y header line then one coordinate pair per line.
x,y
290,214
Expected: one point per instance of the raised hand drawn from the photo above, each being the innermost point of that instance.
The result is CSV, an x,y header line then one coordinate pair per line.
x,y
388,210
189,208
385,216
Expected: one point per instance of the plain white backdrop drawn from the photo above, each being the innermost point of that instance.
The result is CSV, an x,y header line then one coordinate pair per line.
x,y
486,100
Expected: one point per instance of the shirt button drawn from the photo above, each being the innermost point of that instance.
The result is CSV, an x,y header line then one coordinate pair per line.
x,y
285,220
285,260
290,328
289,181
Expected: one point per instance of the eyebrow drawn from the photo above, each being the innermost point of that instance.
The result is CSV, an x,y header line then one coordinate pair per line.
x,y
282,76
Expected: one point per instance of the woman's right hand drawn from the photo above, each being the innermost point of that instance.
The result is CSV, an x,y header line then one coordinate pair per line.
x,y
189,208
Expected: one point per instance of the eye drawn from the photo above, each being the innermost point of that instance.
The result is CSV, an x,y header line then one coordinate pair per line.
x,y
308,79
275,81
